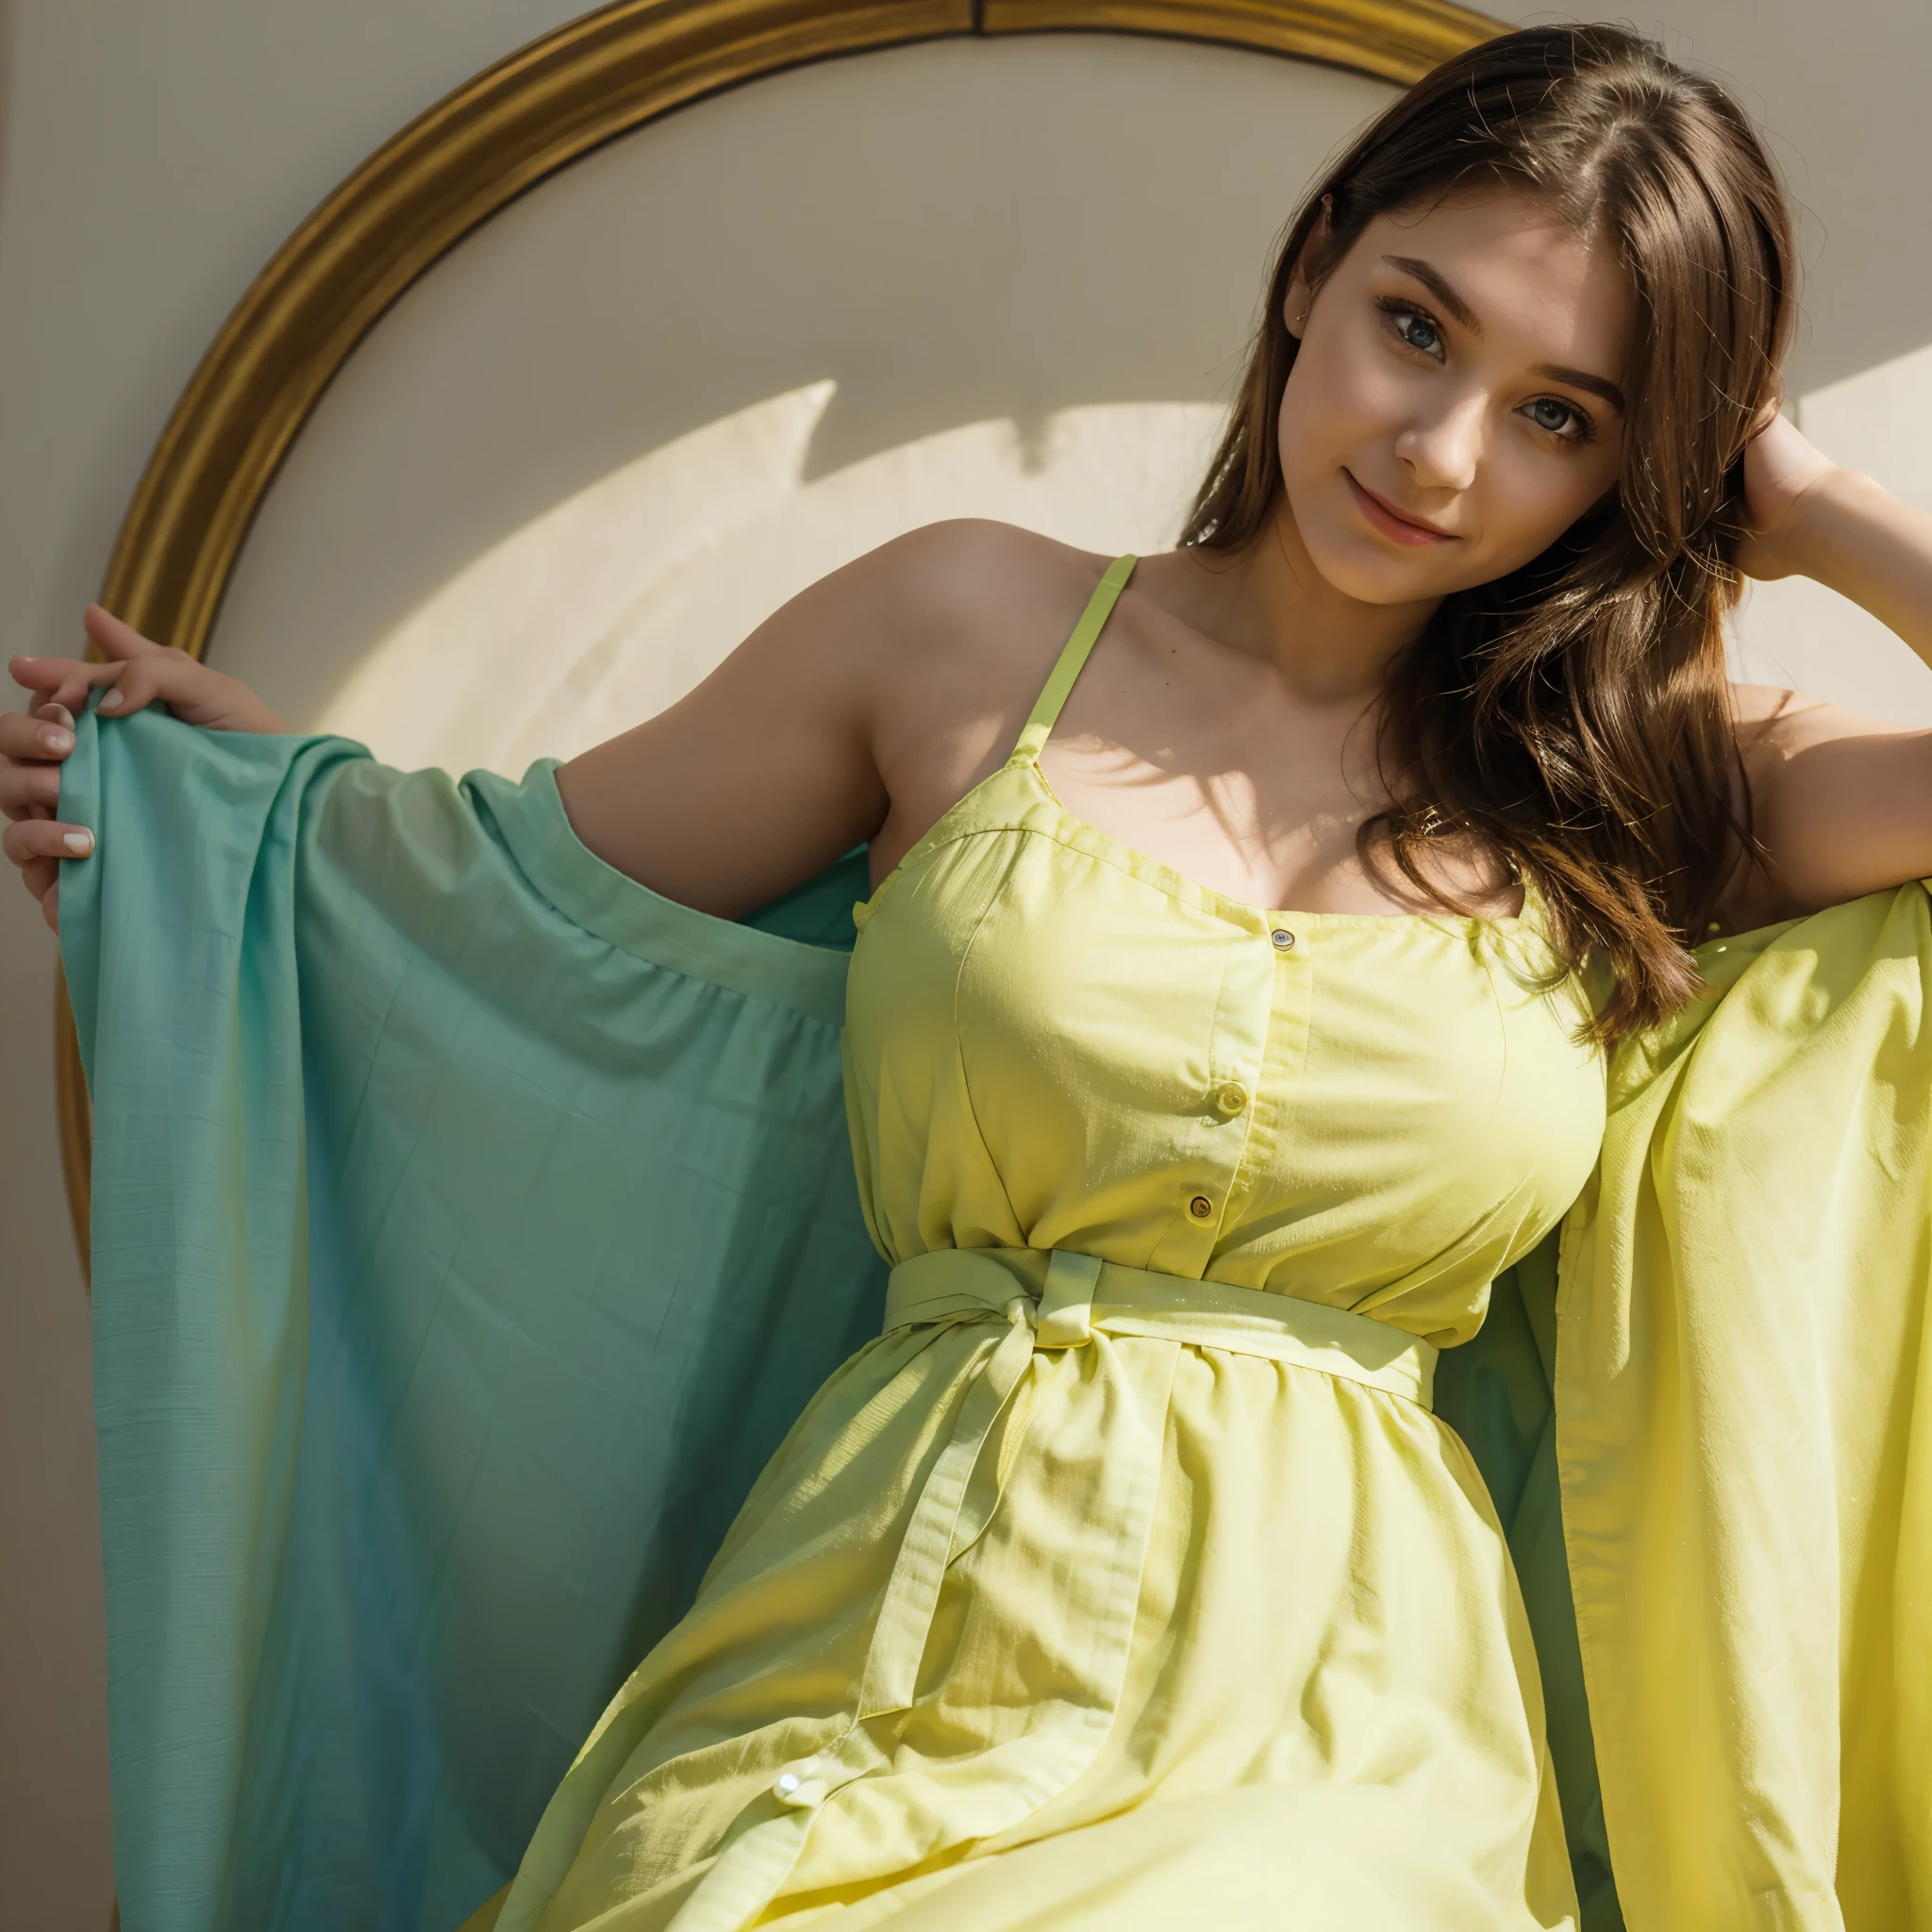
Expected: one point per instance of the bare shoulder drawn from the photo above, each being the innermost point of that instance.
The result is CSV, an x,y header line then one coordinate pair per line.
x,y
1774,721
1756,705
964,620
967,617
859,711
945,622
1782,715
976,586
1767,722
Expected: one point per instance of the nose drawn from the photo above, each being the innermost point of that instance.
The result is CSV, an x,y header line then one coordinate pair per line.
x,y
1444,449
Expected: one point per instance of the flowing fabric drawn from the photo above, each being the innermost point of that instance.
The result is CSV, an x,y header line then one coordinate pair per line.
x,y
470,1225
1745,1432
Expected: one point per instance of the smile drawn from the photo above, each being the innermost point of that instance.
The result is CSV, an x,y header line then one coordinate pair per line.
x,y
1389,521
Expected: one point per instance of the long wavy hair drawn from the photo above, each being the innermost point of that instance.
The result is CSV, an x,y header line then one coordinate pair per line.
x,y
1573,718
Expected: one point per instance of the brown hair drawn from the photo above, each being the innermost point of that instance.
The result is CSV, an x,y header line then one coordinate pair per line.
x,y
1574,716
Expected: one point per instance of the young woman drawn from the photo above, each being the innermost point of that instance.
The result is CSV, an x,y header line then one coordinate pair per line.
x,y
1230,1010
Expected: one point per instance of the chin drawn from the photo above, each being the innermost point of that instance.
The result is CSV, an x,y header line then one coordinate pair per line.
x,y
1361,568
1355,561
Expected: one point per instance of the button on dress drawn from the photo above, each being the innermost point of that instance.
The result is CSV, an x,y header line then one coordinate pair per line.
x,y
1127,1580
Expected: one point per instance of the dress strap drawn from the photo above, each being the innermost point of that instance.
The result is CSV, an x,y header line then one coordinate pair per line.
x,y
1046,708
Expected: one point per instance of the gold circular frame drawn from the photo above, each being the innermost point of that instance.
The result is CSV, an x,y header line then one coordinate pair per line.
x,y
478,148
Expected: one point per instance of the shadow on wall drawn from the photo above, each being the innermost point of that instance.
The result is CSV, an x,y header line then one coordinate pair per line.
x,y
1010,278
636,587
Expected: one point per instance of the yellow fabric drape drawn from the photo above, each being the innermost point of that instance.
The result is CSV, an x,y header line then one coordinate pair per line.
x,y
1746,1437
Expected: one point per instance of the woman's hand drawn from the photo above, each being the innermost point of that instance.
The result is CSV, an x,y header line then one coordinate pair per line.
x,y
34,743
1782,475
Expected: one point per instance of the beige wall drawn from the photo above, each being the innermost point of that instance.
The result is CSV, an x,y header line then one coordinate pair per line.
x,y
672,386
153,158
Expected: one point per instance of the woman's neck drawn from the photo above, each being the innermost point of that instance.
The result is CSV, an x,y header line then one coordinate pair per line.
x,y
1269,601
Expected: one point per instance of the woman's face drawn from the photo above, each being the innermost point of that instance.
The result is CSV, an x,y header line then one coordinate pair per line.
x,y
1454,405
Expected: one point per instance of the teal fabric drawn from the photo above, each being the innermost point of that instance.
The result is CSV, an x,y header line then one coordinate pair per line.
x,y
469,1224
1498,1393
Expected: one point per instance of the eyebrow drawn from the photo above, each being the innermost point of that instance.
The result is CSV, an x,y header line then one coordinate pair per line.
x,y
1431,278
1581,378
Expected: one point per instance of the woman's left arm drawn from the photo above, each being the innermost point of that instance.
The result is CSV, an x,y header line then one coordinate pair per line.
x,y
1843,803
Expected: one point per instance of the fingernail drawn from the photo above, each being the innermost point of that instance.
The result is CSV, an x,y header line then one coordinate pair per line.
x,y
59,714
111,701
56,741
79,844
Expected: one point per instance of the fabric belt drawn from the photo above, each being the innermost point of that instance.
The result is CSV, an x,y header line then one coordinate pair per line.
x,y
1067,1296
1050,1299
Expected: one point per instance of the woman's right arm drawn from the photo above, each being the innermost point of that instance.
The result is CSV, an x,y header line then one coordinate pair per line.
x,y
858,712
764,773
864,707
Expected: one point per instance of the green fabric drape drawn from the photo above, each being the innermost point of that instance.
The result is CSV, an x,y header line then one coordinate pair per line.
x,y
469,1225
1498,1393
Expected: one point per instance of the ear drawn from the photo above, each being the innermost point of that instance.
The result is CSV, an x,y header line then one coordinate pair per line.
x,y
1306,276
1296,303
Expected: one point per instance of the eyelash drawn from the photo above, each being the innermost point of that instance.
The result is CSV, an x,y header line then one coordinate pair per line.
x,y
1394,308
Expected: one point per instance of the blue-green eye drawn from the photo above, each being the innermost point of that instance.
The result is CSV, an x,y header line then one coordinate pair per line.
x,y
1417,330
1559,418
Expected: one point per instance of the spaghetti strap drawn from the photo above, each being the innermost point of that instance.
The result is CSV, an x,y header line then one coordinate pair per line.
x,y
1046,708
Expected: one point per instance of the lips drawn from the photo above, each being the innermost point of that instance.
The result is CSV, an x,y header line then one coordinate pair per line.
x,y
1386,521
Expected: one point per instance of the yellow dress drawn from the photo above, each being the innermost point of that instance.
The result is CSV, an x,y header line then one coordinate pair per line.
x,y
1127,1580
